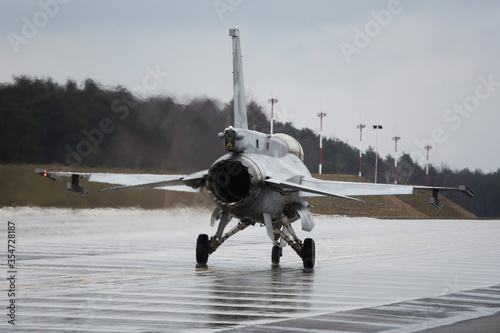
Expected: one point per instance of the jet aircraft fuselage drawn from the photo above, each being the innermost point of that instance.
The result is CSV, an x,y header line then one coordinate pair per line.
x,y
236,182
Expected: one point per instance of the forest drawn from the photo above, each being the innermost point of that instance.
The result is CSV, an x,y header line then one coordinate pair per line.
x,y
88,124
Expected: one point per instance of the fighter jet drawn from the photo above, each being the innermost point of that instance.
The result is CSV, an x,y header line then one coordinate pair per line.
x,y
261,179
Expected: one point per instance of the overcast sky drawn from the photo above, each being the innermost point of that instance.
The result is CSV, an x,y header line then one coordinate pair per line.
x,y
426,70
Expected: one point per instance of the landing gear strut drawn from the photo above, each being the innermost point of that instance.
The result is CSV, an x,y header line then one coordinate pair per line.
x,y
281,232
306,250
206,246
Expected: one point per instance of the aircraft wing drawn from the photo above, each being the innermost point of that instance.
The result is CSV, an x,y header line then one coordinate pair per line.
x,y
184,183
310,187
354,188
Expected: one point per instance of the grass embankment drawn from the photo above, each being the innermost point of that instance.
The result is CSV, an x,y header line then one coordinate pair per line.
x,y
20,186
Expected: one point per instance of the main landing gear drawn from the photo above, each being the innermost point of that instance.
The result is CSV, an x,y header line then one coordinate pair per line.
x,y
283,233
206,246
308,253
276,254
202,249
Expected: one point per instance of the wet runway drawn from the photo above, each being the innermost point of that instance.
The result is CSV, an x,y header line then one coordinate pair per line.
x,y
134,271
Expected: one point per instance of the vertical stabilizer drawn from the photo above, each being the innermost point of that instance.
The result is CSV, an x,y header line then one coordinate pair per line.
x,y
240,107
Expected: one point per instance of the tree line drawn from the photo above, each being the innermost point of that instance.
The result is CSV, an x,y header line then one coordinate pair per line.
x,y
88,124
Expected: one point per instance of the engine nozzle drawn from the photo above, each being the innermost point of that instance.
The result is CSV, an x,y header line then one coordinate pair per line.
x,y
233,182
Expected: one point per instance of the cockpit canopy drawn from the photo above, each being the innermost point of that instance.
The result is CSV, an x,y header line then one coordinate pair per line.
x,y
293,145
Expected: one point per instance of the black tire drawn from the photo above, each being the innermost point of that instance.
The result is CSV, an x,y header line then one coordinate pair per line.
x,y
308,253
202,249
275,255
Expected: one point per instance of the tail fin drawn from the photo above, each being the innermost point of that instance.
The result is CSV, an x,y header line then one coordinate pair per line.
x,y
240,107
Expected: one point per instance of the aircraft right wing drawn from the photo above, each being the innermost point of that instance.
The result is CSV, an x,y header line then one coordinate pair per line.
x,y
185,183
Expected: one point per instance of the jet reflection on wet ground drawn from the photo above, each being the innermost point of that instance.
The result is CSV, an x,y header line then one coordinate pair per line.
x,y
133,271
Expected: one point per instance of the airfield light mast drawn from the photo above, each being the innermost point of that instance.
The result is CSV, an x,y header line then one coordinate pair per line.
x,y
376,127
321,115
360,126
427,147
272,101
395,139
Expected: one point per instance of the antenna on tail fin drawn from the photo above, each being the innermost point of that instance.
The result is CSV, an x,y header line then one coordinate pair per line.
x,y
240,107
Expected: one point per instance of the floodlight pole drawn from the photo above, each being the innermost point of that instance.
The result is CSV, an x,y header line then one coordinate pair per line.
x,y
427,147
272,101
360,126
395,139
376,127
321,115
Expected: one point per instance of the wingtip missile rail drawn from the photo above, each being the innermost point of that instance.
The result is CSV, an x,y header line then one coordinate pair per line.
x,y
74,186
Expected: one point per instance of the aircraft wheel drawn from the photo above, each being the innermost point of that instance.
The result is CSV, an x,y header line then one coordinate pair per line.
x,y
275,255
308,253
202,249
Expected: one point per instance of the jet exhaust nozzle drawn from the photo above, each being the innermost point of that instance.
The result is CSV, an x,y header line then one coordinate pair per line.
x,y
234,182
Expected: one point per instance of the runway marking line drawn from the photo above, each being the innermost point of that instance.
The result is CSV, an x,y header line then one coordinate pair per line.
x,y
130,277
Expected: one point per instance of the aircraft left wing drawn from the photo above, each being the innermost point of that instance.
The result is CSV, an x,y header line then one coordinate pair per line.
x,y
355,188
309,187
184,183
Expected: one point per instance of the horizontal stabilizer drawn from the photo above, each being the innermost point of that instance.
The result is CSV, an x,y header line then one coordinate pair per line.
x,y
298,187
